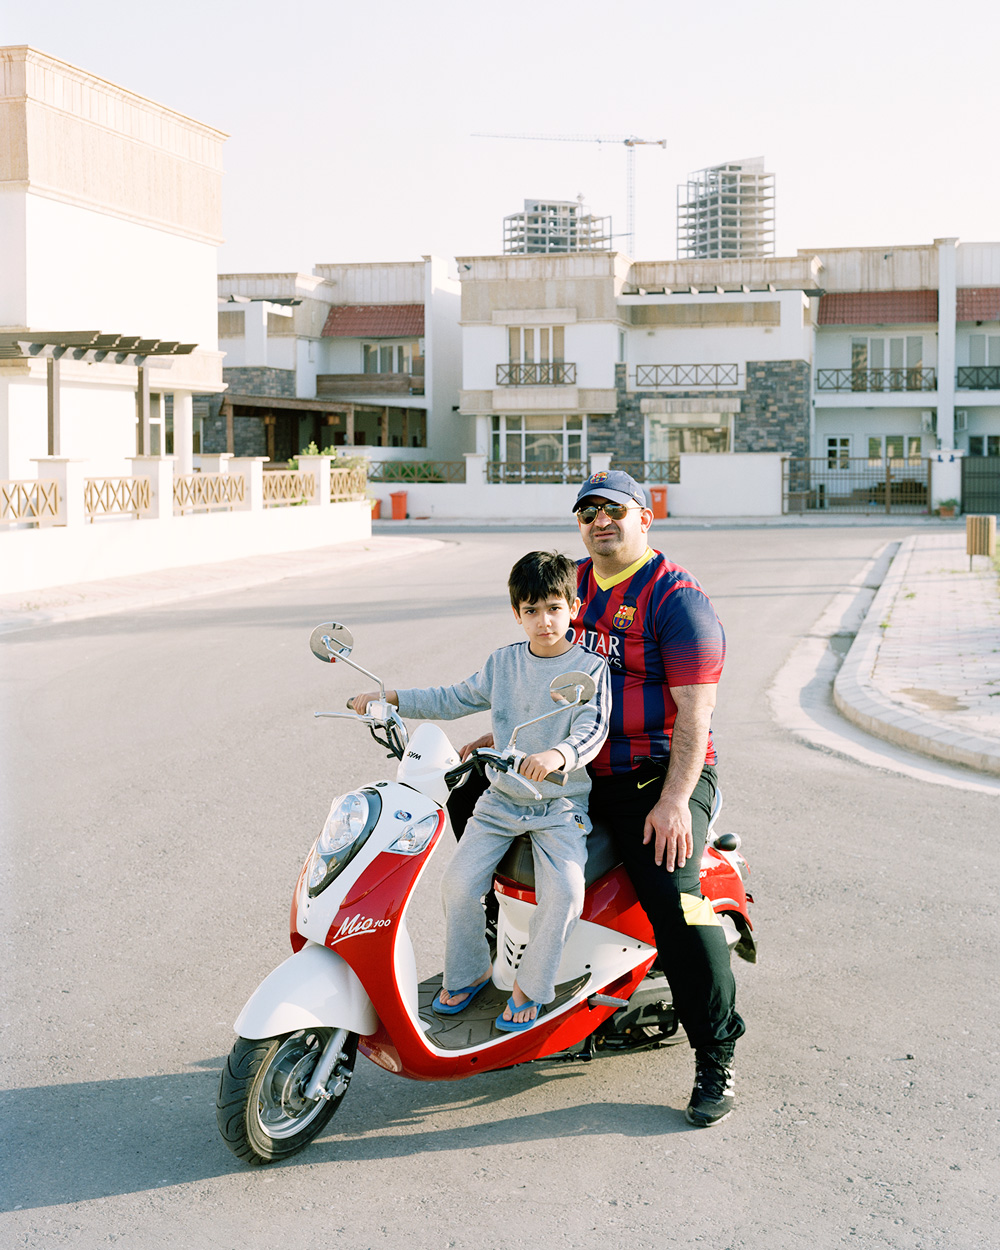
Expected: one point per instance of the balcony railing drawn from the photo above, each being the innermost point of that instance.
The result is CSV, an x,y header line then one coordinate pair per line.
x,y
876,379
979,377
416,471
652,376
537,472
651,472
557,374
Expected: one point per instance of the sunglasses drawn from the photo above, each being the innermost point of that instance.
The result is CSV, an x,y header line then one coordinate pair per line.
x,y
613,511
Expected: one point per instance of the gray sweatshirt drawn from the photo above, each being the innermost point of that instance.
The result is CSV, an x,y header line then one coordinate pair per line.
x,y
515,685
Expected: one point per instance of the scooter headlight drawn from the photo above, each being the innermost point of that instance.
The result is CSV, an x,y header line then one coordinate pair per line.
x,y
352,818
414,838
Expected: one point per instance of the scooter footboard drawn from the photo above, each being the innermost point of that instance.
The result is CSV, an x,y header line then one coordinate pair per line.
x,y
314,988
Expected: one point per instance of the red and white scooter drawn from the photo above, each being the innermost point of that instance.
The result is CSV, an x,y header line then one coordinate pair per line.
x,y
351,983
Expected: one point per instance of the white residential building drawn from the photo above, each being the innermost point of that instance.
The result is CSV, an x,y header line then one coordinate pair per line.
x,y
366,356
110,215
882,362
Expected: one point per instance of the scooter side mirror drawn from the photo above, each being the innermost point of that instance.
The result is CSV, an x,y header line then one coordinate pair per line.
x,y
566,690
572,688
331,642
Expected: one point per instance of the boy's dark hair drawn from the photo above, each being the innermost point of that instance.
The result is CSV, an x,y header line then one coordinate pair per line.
x,y
539,575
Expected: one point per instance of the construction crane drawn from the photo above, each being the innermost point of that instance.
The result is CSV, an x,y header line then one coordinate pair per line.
x,y
631,142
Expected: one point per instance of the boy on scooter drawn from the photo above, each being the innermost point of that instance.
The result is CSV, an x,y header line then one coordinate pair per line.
x,y
514,684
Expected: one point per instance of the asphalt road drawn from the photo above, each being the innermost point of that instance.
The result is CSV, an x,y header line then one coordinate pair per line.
x,y
163,778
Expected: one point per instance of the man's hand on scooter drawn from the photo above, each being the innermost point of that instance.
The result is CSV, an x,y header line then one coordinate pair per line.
x,y
537,767
464,751
360,702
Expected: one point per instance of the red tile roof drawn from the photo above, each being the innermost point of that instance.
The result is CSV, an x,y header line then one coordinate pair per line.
x,y
878,308
375,321
978,303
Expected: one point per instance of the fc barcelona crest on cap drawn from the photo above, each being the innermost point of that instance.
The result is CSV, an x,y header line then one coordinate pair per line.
x,y
623,618
614,485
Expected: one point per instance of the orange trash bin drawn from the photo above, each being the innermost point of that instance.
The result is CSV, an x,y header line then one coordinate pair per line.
x,y
659,494
398,498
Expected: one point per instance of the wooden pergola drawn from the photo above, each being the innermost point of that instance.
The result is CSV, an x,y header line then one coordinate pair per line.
x,y
93,347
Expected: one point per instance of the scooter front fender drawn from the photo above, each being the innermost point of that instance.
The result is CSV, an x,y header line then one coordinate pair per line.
x,y
314,988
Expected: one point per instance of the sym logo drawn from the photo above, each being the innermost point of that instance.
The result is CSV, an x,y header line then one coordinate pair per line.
x,y
414,755
356,926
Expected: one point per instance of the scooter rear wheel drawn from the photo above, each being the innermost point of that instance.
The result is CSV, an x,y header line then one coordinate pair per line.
x,y
261,1108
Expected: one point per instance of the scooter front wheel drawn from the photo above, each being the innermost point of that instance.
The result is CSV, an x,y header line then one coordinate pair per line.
x,y
262,1109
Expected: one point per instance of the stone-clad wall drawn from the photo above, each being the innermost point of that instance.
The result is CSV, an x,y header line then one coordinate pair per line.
x,y
773,416
249,435
249,380
775,410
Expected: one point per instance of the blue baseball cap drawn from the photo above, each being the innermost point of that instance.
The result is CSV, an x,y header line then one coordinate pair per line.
x,y
614,485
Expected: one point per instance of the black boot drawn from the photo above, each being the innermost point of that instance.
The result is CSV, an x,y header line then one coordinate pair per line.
x,y
712,1097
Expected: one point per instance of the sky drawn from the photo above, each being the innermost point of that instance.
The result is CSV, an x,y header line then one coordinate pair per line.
x,y
352,127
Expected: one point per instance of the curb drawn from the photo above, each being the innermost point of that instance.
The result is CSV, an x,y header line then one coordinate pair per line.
x,y
84,600
861,702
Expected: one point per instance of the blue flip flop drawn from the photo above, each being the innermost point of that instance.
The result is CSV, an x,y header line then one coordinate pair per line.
x,y
443,1009
518,1026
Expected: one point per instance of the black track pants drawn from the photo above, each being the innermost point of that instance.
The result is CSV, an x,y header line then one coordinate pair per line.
x,y
691,945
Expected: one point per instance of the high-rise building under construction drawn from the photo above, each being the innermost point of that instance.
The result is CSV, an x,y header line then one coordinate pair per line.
x,y
555,226
726,211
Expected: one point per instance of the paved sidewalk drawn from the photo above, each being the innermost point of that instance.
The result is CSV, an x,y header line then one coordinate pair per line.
x,y
29,608
924,669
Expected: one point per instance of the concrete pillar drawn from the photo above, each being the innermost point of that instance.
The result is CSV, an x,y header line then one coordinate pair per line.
x,y
52,376
475,468
946,475
255,333
160,471
251,469
183,433
600,461
319,467
215,462
947,312
484,431
70,476
142,402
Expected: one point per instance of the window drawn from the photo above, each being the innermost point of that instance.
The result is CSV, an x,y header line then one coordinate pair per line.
x,y
541,439
984,349
536,345
899,448
391,357
671,434
889,364
838,452
984,444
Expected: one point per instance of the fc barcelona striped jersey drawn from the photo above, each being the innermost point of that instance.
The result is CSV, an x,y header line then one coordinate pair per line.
x,y
657,628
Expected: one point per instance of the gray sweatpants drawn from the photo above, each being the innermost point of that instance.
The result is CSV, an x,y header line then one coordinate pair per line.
x,y
558,829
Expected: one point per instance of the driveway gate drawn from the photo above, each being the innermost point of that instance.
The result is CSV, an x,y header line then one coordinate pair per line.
x,y
981,484
837,483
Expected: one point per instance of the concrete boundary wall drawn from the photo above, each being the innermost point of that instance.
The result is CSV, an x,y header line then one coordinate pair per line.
x,y
711,486
60,555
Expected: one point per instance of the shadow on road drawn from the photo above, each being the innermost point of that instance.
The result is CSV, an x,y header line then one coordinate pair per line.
x,y
77,1142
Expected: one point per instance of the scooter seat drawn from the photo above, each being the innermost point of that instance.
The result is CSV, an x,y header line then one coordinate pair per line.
x,y
518,865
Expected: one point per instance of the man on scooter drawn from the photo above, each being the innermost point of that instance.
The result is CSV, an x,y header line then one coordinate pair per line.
x,y
654,780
